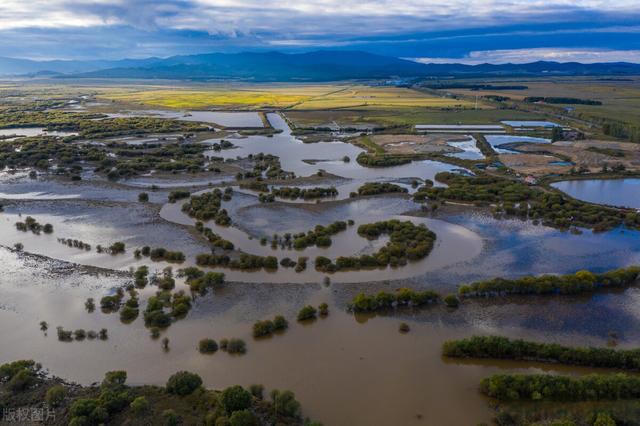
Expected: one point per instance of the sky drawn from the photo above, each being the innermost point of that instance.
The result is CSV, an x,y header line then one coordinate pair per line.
x,y
468,31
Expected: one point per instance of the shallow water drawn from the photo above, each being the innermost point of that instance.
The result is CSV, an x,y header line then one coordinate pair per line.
x,y
247,119
307,159
469,148
32,131
612,192
496,141
530,123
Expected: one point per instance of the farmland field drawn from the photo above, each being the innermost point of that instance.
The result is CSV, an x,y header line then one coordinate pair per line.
x,y
299,97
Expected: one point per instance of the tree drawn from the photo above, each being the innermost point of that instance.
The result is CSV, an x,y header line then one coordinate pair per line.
x,y
183,383
114,378
235,398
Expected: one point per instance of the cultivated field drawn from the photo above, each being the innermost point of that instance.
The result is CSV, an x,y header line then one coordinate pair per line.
x,y
298,97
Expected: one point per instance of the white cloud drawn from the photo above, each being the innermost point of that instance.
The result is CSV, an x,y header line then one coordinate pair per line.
x,y
519,56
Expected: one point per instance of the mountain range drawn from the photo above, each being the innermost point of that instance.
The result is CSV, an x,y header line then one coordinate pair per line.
x,y
322,65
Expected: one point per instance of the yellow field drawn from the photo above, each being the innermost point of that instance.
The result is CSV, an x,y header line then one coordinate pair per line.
x,y
298,97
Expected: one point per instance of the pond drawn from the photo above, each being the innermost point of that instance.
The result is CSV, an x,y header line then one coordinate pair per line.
x,y
612,192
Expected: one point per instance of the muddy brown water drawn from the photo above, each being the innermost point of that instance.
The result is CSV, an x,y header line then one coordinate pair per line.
x,y
345,370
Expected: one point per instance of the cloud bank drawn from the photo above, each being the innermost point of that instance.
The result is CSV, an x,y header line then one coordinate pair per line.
x,y
416,28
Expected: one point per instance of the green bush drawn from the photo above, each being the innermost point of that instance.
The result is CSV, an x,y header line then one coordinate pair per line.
x,y
384,300
170,417
207,346
236,346
307,313
280,323
504,348
452,301
285,403
22,380
183,383
580,282
242,418
139,405
263,328
55,395
235,398
537,387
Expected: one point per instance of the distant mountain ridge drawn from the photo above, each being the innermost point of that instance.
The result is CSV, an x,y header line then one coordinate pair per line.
x,y
322,65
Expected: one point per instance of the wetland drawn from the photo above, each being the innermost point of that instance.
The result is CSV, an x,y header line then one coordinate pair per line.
x,y
430,219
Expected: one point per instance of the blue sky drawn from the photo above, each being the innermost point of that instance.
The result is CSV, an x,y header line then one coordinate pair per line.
x,y
469,31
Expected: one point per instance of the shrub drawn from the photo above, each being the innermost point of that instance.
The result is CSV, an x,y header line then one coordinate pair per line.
x,y
235,398
242,418
384,300
404,327
183,383
157,318
580,282
170,417
207,346
117,247
285,403
128,314
114,378
323,309
257,391
263,328
22,380
55,395
8,370
307,313
143,197
236,346
452,301
139,405
537,387
504,348
178,195
280,323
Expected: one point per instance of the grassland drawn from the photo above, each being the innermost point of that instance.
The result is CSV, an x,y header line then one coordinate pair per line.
x,y
405,116
620,97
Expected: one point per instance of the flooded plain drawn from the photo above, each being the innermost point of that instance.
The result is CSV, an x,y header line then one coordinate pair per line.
x,y
345,369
